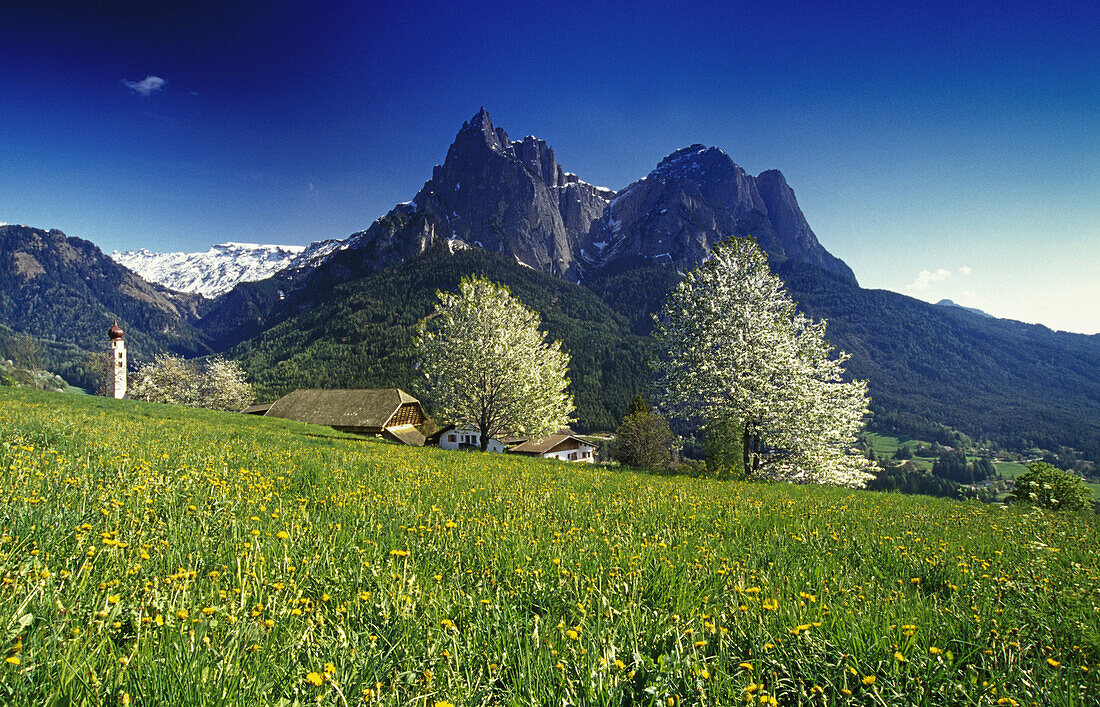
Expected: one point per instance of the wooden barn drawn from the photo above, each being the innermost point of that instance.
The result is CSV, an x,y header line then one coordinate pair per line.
x,y
389,412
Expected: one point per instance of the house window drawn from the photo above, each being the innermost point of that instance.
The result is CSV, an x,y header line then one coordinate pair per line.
x,y
572,456
450,438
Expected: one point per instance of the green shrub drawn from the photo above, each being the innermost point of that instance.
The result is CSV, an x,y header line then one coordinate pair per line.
x,y
1048,486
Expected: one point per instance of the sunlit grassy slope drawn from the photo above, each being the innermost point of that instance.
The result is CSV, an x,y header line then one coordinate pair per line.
x,y
158,555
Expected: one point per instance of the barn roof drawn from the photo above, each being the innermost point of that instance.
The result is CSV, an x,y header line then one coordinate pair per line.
x,y
341,407
545,444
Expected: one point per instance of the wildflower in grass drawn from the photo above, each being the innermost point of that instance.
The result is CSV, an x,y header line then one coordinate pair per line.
x,y
12,660
620,664
1053,663
869,680
399,553
746,666
900,657
935,651
114,599
209,610
572,635
315,678
282,535
443,703
770,604
182,614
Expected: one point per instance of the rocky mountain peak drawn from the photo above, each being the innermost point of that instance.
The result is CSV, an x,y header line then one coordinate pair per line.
x,y
514,198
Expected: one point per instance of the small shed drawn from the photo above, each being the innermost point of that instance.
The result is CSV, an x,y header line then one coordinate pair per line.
x,y
389,412
564,445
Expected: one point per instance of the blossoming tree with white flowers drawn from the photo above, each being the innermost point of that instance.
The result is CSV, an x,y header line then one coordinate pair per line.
x,y
734,351
489,365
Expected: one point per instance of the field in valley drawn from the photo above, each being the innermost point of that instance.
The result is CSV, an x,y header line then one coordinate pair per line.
x,y
158,555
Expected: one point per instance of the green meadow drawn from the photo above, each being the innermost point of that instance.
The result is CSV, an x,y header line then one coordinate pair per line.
x,y
154,555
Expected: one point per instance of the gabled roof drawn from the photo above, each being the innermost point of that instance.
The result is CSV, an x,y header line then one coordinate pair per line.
x,y
341,407
547,443
406,434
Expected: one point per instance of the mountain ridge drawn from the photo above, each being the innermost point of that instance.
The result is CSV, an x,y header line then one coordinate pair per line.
x,y
512,200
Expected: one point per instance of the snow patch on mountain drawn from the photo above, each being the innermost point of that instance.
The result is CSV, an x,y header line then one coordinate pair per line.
x,y
222,267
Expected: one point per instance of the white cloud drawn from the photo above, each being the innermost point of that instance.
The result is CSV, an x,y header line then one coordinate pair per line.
x,y
147,86
925,278
965,270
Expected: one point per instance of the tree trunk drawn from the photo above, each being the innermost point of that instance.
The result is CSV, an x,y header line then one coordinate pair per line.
x,y
746,449
756,452
482,435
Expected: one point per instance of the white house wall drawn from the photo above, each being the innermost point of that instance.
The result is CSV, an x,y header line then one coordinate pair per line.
x,y
584,454
467,436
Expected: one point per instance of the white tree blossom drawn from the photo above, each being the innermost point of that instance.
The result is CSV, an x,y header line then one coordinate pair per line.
x,y
219,385
734,349
489,365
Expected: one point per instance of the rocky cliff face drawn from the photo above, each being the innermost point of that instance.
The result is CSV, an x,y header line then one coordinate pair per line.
x,y
512,197
697,197
509,197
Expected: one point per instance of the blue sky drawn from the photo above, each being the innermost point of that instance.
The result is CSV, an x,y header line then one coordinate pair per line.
x,y
941,149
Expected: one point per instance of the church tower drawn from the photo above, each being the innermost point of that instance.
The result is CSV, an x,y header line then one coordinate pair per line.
x,y
116,383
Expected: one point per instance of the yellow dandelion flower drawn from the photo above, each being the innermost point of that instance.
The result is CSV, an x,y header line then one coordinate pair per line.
x,y
869,680
935,651
13,660
1053,663
745,666
282,535
900,657
315,679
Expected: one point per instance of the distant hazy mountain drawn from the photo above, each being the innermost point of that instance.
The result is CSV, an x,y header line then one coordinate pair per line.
x,y
222,267
974,310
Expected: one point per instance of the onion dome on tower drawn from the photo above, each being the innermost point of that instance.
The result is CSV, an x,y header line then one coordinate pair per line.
x,y
115,332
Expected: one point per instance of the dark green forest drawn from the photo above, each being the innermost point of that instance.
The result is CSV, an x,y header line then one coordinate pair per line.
x,y
360,333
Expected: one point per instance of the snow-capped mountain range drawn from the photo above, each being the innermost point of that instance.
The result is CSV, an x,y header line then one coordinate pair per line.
x,y
223,266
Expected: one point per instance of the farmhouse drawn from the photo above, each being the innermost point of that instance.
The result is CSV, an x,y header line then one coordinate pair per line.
x,y
564,445
469,437
389,412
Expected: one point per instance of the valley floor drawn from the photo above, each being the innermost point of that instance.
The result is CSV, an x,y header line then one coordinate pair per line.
x,y
158,555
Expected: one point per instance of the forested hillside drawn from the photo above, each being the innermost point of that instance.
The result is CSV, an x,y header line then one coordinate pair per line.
x,y
360,332
1018,385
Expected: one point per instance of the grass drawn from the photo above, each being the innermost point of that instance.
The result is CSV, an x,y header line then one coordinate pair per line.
x,y
157,555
